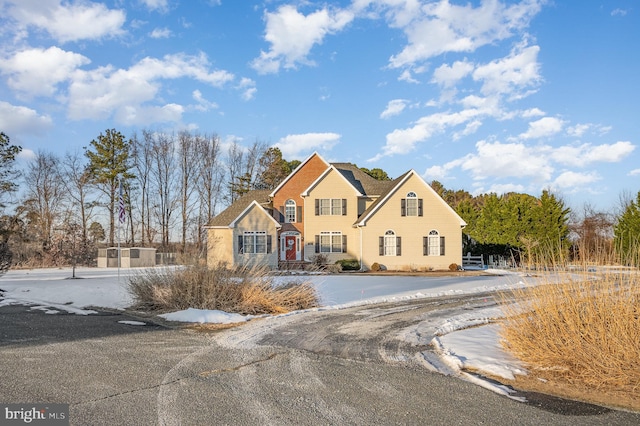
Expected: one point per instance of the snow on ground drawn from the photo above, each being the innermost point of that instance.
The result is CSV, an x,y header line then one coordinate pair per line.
x,y
53,291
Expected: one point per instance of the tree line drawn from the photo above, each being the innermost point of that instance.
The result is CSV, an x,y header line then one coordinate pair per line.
x,y
64,207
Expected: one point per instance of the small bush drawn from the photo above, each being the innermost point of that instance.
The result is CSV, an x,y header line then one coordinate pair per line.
x,y
243,291
453,267
320,260
376,267
349,264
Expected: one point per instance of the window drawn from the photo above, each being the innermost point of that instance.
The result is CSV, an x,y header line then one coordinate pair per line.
x,y
290,211
331,242
433,245
254,242
331,207
390,244
411,206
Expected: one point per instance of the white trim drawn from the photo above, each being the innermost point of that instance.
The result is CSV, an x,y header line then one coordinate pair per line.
x,y
380,203
283,253
256,204
273,194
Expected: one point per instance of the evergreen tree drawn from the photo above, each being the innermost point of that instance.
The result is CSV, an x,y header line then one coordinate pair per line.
x,y
273,169
627,234
109,160
551,225
376,173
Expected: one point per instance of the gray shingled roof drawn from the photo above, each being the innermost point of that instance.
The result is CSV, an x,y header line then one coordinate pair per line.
x,y
364,183
390,187
233,211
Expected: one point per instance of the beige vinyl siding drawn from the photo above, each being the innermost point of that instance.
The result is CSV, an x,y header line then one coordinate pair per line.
x,y
332,186
220,246
436,216
256,219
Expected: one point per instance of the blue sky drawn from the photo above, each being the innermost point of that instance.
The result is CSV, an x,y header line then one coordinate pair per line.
x,y
486,96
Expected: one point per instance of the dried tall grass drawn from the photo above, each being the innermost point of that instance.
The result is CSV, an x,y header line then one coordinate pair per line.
x,y
584,331
245,291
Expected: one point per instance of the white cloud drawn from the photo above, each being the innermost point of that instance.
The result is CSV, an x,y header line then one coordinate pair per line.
x,y
159,5
294,146
634,172
578,130
160,33
22,120
513,75
507,160
394,107
532,112
505,188
67,21
586,154
572,181
448,76
38,71
435,28
26,154
618,12
292,35
469,129
100,92
202,104
248,88
144,115
545,127
407,76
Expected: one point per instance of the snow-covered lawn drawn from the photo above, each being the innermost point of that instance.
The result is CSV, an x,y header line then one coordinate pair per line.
x,y
53,291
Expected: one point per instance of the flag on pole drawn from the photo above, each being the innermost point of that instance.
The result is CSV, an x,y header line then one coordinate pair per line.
x,y
121,213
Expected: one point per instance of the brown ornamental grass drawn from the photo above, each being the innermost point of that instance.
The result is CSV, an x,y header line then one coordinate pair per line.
x,y
583,331
245,291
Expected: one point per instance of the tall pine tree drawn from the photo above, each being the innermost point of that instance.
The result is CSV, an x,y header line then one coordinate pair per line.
x,y
109,160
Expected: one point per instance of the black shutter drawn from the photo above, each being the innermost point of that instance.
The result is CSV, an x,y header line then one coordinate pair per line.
x,y
269,243
299,215
344,207
317,207
240,241
344,243
403,207
441,246
425,246
281,218
398,246
419,206
381,242
317,243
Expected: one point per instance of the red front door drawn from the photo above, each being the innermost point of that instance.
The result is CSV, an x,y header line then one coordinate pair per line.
x,y
290,247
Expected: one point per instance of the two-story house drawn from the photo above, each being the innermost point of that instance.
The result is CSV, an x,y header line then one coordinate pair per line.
x,y
338,211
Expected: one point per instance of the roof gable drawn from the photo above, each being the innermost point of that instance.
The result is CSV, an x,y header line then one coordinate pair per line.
x,y
395,186
228,217
326,173
297,169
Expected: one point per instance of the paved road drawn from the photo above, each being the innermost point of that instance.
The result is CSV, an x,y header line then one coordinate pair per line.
x,y
331,367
